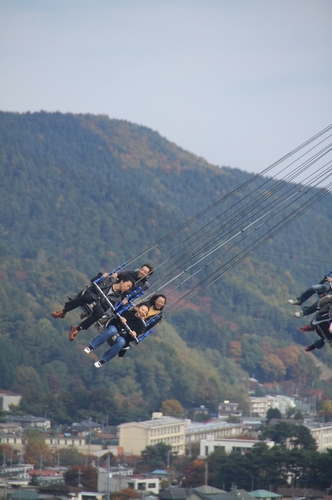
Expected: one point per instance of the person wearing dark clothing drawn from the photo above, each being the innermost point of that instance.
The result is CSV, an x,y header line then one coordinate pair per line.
x,y
140,276
115,291
322,324
117,335
322,288
155,314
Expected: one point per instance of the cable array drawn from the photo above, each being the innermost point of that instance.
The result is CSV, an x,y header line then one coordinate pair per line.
x,y
198,253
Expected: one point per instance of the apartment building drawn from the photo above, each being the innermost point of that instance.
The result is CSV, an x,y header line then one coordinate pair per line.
x,y
134,437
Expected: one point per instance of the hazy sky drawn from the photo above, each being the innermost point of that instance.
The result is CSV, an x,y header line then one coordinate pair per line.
x,y
237,82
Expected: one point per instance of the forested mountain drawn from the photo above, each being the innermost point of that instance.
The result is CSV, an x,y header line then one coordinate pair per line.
x,y
83,193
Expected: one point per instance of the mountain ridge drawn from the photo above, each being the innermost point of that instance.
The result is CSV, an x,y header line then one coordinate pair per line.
x,y
72,205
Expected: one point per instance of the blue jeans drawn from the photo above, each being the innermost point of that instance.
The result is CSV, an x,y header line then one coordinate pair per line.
x,y
103,337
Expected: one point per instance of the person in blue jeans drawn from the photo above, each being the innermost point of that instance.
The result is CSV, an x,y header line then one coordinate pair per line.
x,y
322,288
117,335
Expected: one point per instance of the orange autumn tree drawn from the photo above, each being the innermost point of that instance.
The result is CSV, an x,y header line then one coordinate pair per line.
x,y
235,350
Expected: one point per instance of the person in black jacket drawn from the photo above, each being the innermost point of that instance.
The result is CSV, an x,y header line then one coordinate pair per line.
x,y
114,290
140,276
117,335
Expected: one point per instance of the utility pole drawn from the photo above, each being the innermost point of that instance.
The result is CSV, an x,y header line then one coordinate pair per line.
x,y
79,478
108,477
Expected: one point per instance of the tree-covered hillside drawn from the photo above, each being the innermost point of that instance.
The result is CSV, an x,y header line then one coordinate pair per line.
x,y
83,193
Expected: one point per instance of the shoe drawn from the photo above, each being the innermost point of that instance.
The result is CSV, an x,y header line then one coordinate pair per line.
x,y
83,315
310,347
306,328
73,333
58,314
294,302
88,349
99,363
299,314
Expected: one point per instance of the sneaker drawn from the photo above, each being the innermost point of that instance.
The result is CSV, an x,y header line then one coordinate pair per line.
x,y
73,333
294,302
299,314
88,349
306,328
58,314
99,363
308,348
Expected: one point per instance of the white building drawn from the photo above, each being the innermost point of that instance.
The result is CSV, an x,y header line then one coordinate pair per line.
x,y
196,431
138,483
322,433
116,480
134,437
8,398
260,406
208,446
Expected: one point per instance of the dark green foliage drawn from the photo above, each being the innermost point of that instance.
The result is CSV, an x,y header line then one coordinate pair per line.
x,y
157,456
272,413
263,468
83,193
298,435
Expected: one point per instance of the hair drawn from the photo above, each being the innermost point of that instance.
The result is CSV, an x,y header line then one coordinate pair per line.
x,y
155,297
127,277
150,267
145,303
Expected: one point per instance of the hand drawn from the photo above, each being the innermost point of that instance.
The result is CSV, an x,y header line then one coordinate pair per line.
x,y
105,275
123,320
133,334
330,328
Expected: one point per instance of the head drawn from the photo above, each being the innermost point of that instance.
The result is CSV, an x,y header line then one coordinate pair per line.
x,y
158,301
142,310
145,271
126,282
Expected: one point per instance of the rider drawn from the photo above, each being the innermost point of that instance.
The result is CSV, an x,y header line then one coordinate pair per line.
x,y
117,333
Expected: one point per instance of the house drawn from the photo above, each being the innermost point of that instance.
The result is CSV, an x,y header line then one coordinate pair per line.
x,y
264,495
26,421
137,482
228,409
206,493
23,494
237,495
104,476
86,427
174,493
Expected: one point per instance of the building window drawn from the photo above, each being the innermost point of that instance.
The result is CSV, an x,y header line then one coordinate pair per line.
x,y
141,486
151,485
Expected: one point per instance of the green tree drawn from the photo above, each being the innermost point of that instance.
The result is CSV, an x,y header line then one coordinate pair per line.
x,y
158,455
87,476
272,413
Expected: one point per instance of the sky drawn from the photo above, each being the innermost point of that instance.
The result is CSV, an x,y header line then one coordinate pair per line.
x,y
237,82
